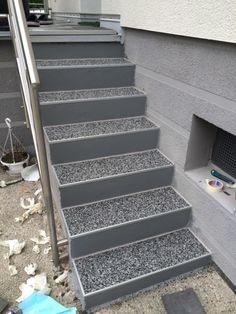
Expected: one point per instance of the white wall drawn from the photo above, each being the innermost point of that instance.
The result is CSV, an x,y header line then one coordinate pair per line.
x,y
111,7
209,19
76,6
65,6
90,6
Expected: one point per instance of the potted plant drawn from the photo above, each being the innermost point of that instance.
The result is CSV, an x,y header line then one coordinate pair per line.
x,y
14,162
15,158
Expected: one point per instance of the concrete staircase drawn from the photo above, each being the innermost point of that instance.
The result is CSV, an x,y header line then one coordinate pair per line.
x,y
127,226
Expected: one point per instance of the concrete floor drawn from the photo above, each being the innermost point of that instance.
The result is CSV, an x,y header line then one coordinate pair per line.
x,y
215,295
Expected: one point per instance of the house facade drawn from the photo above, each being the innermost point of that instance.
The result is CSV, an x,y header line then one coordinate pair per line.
x,y
185,55
185,58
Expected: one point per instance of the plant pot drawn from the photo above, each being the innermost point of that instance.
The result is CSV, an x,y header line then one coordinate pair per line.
x,y
14,169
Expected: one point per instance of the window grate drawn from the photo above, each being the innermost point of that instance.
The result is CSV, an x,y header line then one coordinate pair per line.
x,y
224,152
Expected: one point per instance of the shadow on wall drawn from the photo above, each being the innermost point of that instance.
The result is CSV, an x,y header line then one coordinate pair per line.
x,y
10,96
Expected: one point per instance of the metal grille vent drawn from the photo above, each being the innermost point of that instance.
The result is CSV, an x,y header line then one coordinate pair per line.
x,y
224,152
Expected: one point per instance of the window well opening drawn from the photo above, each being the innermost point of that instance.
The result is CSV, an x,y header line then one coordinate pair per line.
x,y
224,152
210,148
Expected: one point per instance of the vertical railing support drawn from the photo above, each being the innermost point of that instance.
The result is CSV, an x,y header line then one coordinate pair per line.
x,y
44,174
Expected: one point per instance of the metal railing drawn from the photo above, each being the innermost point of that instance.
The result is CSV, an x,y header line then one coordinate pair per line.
x,y
29,86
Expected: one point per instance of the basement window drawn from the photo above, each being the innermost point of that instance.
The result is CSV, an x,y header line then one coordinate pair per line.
x,y
210,148
224,152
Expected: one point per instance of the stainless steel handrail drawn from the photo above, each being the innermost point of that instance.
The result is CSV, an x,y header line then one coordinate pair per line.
x,y
29,85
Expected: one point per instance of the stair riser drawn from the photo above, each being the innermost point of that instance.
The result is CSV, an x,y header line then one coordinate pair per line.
x,y
96,147
92,191
92,110
74,38
130,287
54,183
126,233
86,77
77,50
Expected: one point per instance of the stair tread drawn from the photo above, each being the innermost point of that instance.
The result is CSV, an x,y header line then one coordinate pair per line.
x,y
82,62
117,265
97,128
86,94
95,169
102,214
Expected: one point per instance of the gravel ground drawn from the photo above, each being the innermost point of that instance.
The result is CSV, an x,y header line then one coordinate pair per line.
x,y
9,209
214,293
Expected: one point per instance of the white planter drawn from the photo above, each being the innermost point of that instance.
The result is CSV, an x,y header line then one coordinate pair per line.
x,y
17,167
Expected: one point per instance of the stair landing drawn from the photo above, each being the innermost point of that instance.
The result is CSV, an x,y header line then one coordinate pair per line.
x,y
68,32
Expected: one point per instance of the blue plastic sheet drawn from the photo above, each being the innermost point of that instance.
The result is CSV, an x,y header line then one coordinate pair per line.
x,y
38,303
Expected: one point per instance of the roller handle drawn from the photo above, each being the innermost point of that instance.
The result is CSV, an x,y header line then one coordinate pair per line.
x,y
220,176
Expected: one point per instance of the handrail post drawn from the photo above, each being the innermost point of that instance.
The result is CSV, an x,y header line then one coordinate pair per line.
x,y
44,173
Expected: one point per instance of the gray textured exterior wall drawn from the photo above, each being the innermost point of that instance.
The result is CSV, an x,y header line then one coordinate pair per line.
x,y
184,77
10,96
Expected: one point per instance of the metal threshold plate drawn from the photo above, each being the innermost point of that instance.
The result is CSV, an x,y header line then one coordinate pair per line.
x,y
183,302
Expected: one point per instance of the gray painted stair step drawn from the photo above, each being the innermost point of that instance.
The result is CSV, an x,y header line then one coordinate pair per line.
x,y
96,179
68,74
114,222
88,94
78,50
91,105
81,141
74,38
71,30
81,62
68,34
98,128
110,166
109,275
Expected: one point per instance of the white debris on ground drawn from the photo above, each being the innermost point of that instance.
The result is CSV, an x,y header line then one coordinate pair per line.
x,y
31,269
37,283
41,239
32,207
36,193
12,270
47,250
35,209
36,249
62,277
15,246
21,200
30,201
30,173
4,184
62,290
